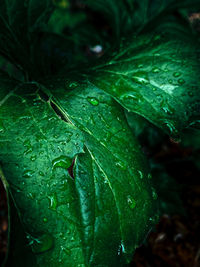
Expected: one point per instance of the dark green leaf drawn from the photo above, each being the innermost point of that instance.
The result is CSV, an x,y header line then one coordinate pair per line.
x,y
155,76
109,207
18,20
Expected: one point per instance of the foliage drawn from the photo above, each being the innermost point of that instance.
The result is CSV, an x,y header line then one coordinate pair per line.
x,y
80,189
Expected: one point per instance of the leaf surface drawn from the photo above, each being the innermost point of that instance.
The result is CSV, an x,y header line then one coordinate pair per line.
x,y
109,206
155,75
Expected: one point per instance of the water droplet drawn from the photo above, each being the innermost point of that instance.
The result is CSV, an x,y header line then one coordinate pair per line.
x,y
131,202
42,243
2,129
62,162
28,146
93,101
176,74
33,158
53,201
141,78
121,165
172,129
28,173
168,110
140,174
67,251
170,81
45,220
121,248
181,81
155,70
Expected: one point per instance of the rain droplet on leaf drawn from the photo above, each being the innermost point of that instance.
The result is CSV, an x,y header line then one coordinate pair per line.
x,y
131,202
45,220
181,81
121,165
155,70
93,101
42,243
62,162
28,173
53,202
1,127
140,174
176,74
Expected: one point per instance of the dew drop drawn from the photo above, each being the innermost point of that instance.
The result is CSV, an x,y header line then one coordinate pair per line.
x,y
141,174
42,243
155,70
45,220
121,248
176,74
141,78
2,129
28,173
53,202
131,202
62,162
28,146
33,158
171,128
93,101
181,81
121,165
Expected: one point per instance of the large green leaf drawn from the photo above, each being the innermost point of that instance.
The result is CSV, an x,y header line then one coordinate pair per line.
x,y
155,75
100,216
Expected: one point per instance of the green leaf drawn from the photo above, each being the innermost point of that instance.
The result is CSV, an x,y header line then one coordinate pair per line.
x,y
109,206
155,75
19,19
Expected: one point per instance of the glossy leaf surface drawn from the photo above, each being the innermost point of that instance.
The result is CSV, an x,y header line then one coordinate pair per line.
x,y
73,221
155,76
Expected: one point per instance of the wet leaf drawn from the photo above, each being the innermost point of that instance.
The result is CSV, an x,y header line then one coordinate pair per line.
x,y
106,208
155,76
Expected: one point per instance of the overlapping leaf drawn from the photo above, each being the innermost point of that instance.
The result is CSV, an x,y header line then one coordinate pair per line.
x,y
72,222
155,75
